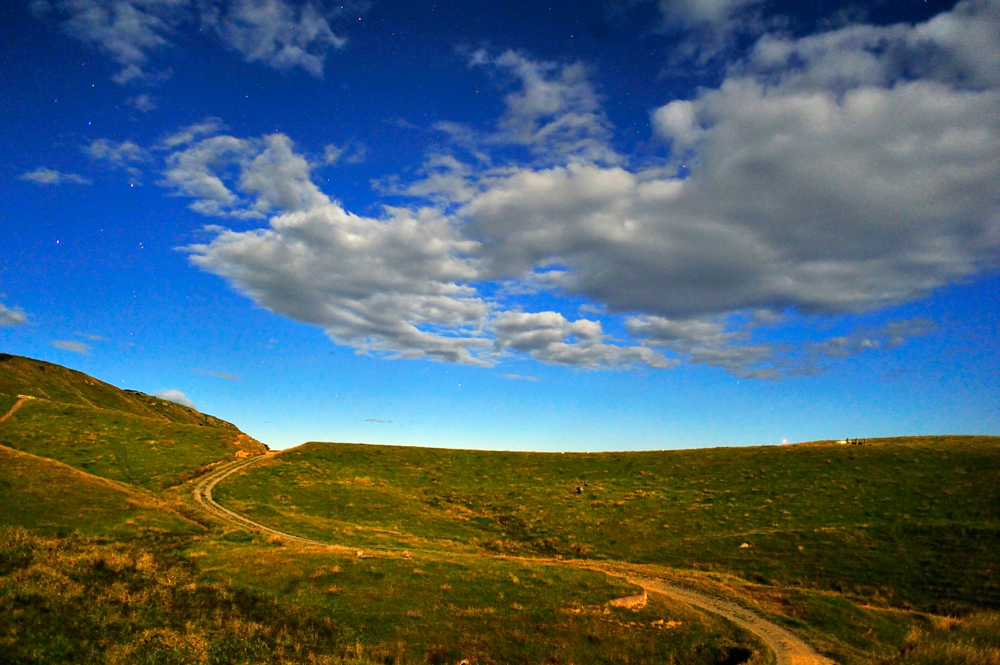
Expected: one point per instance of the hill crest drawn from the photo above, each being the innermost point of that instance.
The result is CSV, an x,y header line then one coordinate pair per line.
x,y
28,377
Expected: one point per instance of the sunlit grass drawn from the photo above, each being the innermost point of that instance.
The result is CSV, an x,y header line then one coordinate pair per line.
x,y
146,452
908,522
54,498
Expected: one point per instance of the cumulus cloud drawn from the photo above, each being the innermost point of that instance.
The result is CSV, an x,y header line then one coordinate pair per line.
x,y
75,347
266,171
825,198
839,173
46,176
177,397
551,338
282,34
12,316
392,284
275,32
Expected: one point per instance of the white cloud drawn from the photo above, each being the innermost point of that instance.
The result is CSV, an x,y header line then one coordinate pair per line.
x,y
266,170
46,176
707,32
521,377
714,342
278,33
824,200
551,338
392,285
221,375
695,12
75,347
704,341
275,32
127,30
188,134
123,155
352,152
177,397
12,316
143,102
555,111
840,173
888,337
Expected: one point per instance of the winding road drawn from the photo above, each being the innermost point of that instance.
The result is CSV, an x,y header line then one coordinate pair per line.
x,y
788,649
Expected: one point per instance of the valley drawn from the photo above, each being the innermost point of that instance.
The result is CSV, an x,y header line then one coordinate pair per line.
x,y
136,530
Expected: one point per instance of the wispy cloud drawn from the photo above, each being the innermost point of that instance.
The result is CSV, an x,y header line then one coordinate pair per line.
x,y
144,102
46,176
376,420
520,377
124,155
12,316
351,152
278,33
221,375
75,347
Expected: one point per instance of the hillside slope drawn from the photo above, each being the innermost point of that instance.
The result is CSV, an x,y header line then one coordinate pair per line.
x,y
55,383
51,497
123,435
910,521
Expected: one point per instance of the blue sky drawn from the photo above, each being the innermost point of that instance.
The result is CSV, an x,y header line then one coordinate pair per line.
x,y
546,226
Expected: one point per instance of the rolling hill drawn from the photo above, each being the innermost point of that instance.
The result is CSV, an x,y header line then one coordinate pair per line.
x,y
884,553
118,434
911,520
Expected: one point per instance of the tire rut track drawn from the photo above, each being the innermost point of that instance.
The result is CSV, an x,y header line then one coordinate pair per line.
x,y
787,647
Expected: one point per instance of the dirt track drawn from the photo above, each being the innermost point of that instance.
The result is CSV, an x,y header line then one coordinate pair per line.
x,y
788,649
21,400
203,495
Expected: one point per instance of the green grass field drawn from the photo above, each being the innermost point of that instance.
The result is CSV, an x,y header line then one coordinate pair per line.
x,y
53,498
122,435
141,451
43,380
910,522
882,554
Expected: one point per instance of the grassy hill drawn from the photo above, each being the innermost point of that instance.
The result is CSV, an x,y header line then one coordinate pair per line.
x,y
877,554
61,385
50,497
82,459
123,435
913,522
